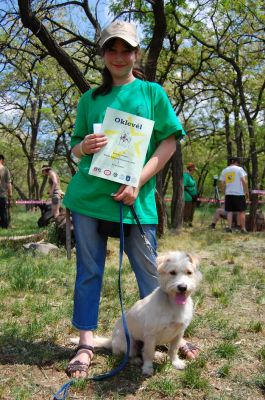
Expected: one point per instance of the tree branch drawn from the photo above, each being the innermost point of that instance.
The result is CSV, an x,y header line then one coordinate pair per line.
x,y
30,21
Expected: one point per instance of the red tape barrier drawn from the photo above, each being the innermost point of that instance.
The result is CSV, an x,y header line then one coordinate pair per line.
x,y
205,200
261,192
31,202
167,199
201,199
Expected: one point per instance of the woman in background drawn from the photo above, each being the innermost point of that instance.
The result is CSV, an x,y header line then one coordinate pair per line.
x,y
190,194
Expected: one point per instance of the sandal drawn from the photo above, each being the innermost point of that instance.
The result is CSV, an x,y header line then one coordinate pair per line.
x,y
188,348
78,365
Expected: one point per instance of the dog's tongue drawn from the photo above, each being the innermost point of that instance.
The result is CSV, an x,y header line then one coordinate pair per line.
x,y
180,298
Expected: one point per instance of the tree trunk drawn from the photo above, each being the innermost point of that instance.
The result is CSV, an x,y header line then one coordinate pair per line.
x,y
238,130
254,203
177,196
161,212
254,174
228,134
156,44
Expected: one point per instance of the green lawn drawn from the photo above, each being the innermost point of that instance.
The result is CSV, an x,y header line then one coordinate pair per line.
x,y
36,294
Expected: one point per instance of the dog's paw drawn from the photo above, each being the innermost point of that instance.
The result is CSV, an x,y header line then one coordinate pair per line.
x,y
147,370
179,364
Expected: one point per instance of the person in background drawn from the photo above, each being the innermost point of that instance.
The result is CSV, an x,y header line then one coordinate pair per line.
x,y
235,187
190,194
5,192
92,199
55,192
220,213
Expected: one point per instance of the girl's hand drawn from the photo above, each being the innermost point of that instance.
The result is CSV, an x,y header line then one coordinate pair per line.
x,y
93,143
126,194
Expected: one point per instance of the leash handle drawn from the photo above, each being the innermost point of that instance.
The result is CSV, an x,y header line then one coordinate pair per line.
x,y
62,393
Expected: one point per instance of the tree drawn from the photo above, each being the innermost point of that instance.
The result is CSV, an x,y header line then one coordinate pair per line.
x,y
207,55
43,24
234,40
35,113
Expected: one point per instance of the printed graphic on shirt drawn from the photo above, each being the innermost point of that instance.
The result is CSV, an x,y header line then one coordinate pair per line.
x,y
230,177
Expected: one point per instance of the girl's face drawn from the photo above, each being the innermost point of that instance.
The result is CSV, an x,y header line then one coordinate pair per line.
x,y
119,58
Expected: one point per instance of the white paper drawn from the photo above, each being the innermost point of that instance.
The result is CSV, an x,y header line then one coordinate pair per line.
x,y
122,159
97,128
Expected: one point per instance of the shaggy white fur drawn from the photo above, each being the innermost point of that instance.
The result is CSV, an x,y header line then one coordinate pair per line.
x,y
161,317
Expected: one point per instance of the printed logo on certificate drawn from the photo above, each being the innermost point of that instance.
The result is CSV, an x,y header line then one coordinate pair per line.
x,y
122,159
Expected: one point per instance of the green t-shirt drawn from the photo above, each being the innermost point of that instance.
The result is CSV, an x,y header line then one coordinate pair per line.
x,y
90,195
190,186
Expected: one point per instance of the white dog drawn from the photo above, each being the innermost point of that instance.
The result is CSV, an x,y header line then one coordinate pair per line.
x,y
161,317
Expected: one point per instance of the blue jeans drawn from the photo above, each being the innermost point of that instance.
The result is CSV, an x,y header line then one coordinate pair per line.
x,y
91,254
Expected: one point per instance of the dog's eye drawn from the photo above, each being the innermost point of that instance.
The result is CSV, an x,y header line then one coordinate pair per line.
x,y
172,272
189,272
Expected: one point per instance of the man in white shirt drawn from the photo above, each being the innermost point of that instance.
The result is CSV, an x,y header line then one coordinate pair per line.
x,y
234,184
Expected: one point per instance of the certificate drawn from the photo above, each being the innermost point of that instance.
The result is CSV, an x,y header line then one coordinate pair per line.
x,y
122,159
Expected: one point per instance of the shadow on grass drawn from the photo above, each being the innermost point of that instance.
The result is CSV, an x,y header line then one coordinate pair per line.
x,y
47,354
42,353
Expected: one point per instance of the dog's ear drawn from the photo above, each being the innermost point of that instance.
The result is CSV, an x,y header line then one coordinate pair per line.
x,y
194,260
161,260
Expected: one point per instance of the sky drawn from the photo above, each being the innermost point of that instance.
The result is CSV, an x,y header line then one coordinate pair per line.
x,y
103,14
103,11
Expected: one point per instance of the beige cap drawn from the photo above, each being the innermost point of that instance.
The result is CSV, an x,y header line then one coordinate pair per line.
x,y
120,29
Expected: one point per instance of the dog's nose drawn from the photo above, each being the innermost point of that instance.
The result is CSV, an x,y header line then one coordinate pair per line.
x,y
182,288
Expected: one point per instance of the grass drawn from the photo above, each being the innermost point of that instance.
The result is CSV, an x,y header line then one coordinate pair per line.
x,y
224,371
36,294
25,224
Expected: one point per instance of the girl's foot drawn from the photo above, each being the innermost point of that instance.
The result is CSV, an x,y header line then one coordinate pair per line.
x,y
78,366
189,350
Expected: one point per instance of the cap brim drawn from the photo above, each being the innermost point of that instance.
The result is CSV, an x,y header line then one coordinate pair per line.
x,y
131,42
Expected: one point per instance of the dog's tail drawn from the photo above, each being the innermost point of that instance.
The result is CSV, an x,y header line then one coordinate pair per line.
x,y
100,342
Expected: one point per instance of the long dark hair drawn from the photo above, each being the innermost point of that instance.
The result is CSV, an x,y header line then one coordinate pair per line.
x,y
107,80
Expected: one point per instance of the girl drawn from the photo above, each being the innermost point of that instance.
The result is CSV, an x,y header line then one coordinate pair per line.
x,y
91,198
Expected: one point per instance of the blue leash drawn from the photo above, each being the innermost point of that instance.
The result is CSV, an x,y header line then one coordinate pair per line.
x,y
62,393
146,241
